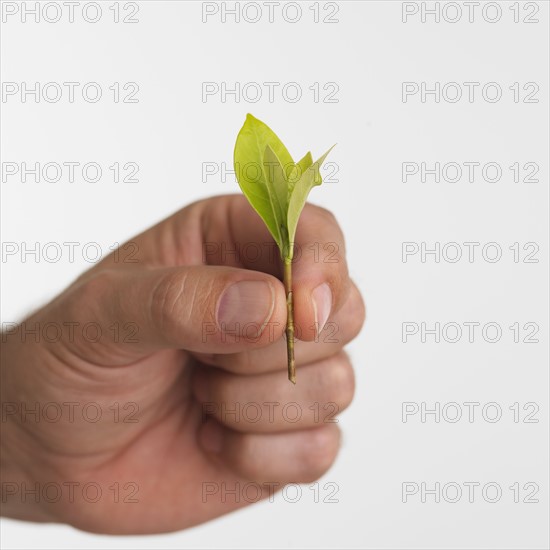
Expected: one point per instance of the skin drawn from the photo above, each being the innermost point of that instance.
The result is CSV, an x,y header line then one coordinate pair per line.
x,y
173,450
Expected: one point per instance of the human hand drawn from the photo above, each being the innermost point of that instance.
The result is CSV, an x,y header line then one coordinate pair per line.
x,y
162,360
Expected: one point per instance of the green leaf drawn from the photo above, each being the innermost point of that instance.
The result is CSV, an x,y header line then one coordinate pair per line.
x,y
300,192
298,170
250,150
278,191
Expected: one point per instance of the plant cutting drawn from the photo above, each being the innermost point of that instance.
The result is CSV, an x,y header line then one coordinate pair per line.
x,y
277,188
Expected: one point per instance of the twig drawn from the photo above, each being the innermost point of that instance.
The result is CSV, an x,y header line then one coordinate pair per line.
x,y
290,321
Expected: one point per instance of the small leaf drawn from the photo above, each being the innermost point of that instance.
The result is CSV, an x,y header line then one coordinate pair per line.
x,y
278,190
298,198
250,149
298,170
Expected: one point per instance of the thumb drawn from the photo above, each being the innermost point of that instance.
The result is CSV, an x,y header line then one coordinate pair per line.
x,y
206,309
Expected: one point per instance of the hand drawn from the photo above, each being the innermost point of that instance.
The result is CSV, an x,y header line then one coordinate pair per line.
x,y
147,348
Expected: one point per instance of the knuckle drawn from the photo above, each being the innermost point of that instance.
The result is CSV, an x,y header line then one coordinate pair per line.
x,y
183,298
168,301
202,300
327,214
322,217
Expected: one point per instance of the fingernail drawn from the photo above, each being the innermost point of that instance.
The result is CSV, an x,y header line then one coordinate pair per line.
x,y
322,304
211,437
245,303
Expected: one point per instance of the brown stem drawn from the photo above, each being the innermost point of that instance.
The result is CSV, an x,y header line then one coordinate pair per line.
x,y
290,321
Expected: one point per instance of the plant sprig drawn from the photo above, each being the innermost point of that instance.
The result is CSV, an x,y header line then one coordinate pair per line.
x,y
277,188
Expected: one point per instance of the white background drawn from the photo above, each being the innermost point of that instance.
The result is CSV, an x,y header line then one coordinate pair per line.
x,y
172,130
